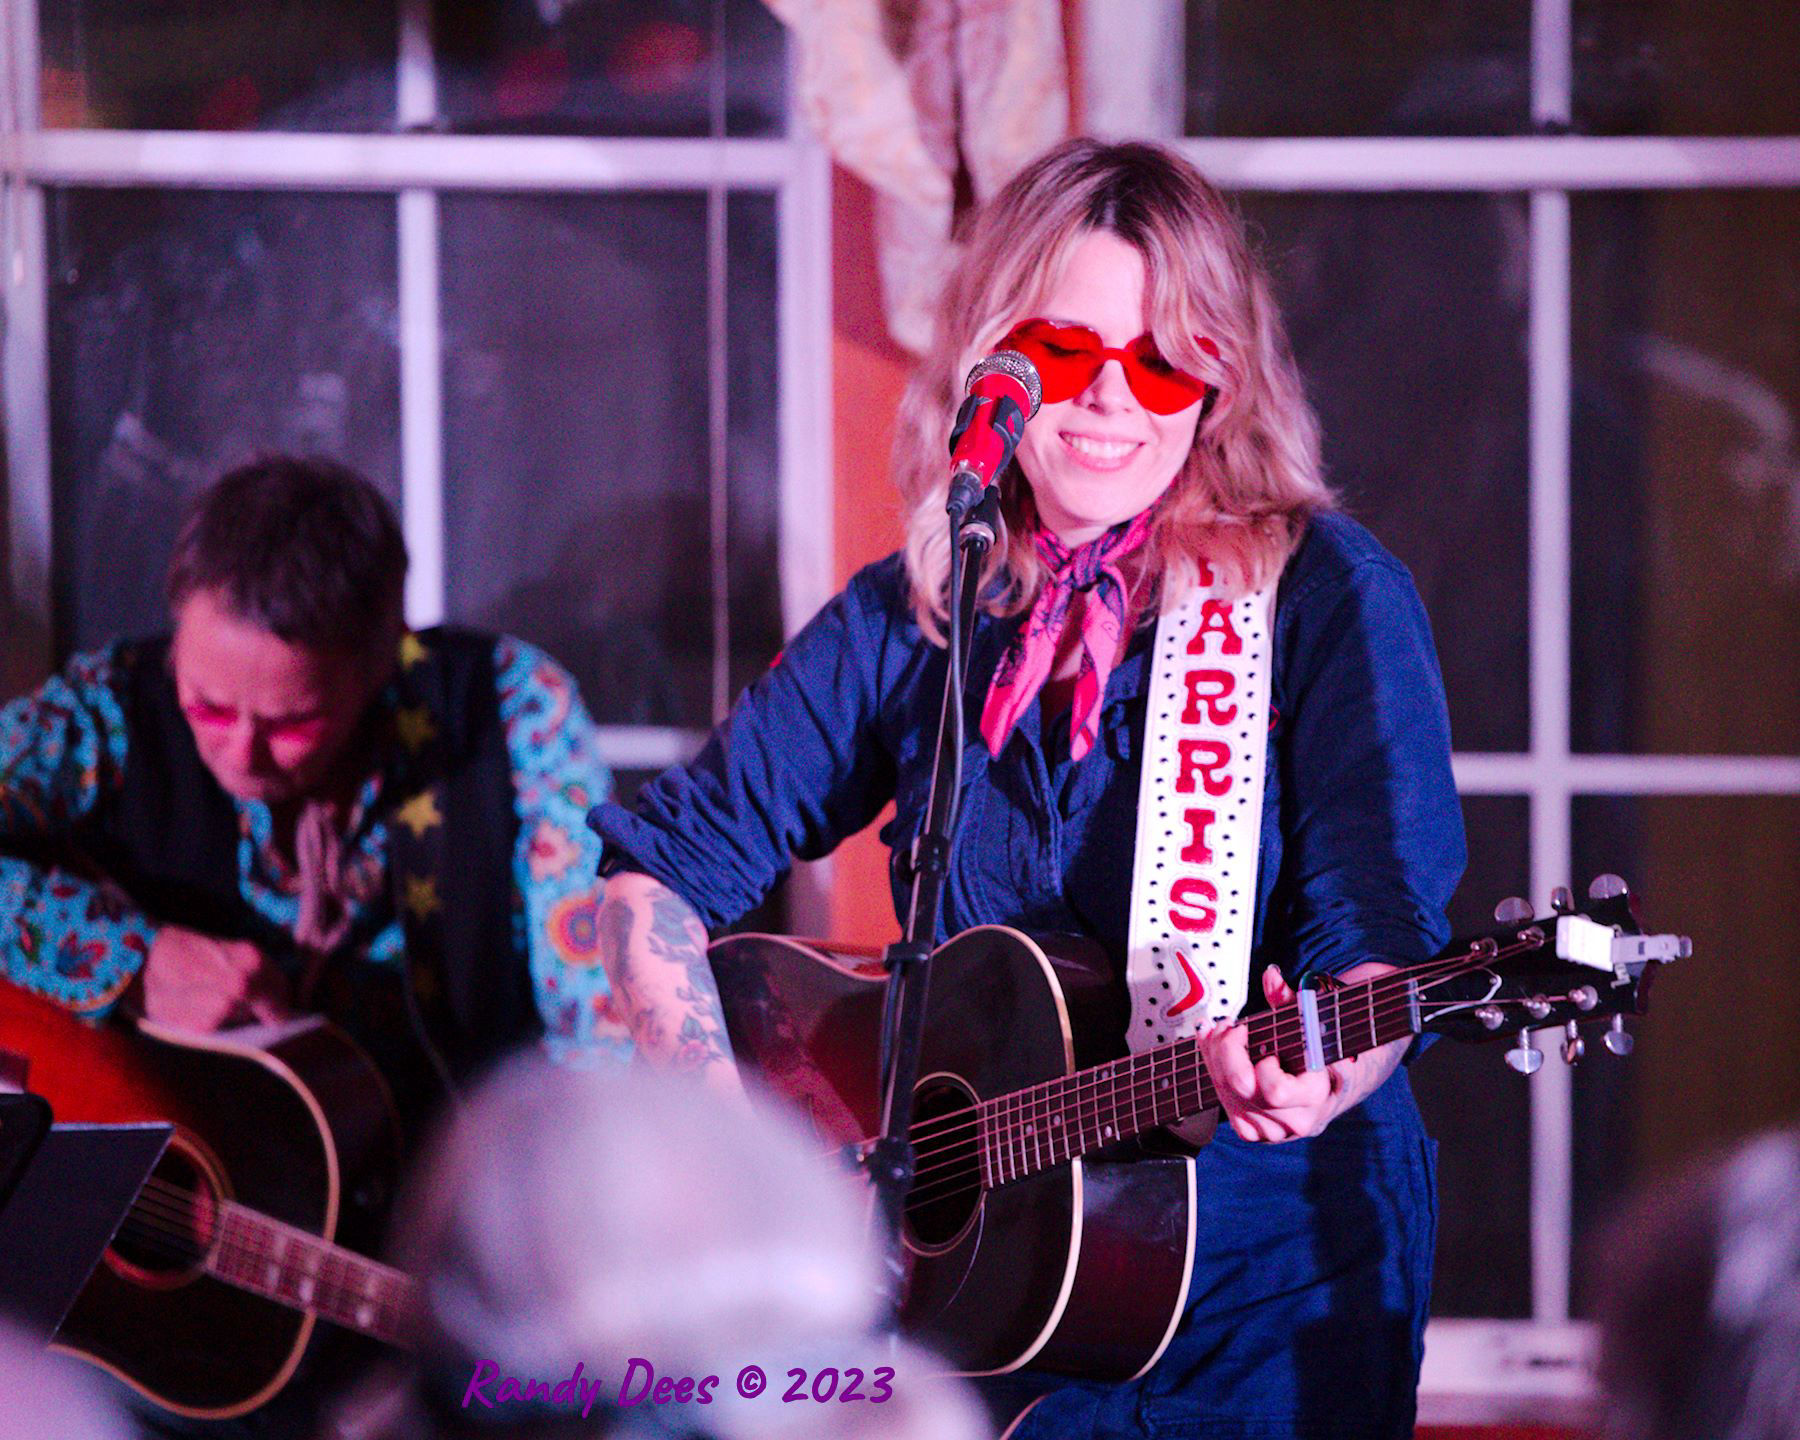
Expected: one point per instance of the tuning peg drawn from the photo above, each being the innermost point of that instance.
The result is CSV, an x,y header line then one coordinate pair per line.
x,y
1606,887
1513,911
1574,1047
1536,1006
1525,1057
1490,1017
1618,1039
1561,901
1585,997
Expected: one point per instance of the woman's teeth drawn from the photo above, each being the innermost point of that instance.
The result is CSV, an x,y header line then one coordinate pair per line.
x,y
1100,449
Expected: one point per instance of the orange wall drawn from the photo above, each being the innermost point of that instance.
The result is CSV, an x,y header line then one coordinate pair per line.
x,y
869,373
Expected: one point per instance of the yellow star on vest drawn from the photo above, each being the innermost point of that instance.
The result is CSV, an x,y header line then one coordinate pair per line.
x,y
421,896
420,813
415,727
412,650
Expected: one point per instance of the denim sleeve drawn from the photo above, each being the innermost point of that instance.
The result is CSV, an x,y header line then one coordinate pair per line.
x,y
795,768
77,940
1373,829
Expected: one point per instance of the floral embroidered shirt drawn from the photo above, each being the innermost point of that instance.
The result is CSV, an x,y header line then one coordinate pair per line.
x,y
80,942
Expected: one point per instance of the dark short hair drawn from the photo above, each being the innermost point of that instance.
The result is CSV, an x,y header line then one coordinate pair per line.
x,y
305,548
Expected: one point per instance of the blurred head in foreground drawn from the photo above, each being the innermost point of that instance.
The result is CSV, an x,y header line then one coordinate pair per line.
x,y
44,1395
585,1218
1701,1322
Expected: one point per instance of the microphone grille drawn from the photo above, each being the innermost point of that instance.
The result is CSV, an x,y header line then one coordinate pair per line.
x,y
1010,362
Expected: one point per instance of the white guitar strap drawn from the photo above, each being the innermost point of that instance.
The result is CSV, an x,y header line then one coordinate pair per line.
x,y
1199,825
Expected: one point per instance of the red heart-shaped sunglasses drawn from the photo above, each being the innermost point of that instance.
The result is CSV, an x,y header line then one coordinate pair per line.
x,y
1069,357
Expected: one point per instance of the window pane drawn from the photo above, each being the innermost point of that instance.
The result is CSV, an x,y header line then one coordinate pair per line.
x,y
1358,67
576,457
198,65
1663,67
624,67
1686,492
1715,1055
1478,1110
1408,319
190,331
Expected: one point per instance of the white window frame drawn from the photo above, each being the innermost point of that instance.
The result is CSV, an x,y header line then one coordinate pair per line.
x,y
416,168
1484,1371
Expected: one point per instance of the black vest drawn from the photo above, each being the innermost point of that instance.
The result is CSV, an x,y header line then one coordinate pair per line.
x,y
169,838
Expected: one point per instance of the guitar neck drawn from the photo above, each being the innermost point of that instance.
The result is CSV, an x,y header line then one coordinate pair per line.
x,y
1049,1124
290,1266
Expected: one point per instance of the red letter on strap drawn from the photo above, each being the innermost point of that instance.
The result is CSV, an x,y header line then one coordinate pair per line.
x,y
1197,851
1190,752
1185,910
1219,683
1215,619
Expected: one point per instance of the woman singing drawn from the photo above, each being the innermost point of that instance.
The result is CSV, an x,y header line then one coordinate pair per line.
x,y
1174,450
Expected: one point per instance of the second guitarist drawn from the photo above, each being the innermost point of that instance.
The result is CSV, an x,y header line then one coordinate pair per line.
x,y
293,805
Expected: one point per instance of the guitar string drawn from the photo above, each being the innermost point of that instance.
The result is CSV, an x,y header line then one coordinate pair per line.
x,y
1029,1163
1018,1137
1011,1133
165,1219
1284,1030
1011,1139
162,1220
250,1248
1012,1149
332,1297
174,1204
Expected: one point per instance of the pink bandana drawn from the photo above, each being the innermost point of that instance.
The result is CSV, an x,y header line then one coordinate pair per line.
x,y
1025,667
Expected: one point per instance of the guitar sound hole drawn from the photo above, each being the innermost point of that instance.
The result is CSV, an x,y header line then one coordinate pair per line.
x,y
947,1181
172,1224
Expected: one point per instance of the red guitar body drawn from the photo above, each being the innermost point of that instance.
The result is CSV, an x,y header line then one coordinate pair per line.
x,y
297,1128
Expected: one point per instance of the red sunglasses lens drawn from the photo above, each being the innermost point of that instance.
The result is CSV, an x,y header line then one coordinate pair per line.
x,y
1067,360
1069,357
1159,385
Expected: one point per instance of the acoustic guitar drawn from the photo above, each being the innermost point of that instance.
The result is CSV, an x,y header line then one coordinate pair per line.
x,y
1038,1234
285,1143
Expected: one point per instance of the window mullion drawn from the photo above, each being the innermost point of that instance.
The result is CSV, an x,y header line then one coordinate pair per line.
x,y
1552,1088
420,335
28,627
1552,64
25,364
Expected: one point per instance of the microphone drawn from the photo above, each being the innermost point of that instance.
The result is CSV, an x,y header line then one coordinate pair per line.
x,y
1003,392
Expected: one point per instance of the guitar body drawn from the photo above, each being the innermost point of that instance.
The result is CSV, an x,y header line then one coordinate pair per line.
x,y
297,1126
1079,1269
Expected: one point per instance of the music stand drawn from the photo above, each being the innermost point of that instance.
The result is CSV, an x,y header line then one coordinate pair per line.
x,y
64,1192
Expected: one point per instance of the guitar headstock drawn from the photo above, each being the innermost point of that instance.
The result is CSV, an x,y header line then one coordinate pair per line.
x,y
1576,968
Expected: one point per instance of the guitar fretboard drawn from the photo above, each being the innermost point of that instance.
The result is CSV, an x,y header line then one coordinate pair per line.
x,y
295,1268
1049,1124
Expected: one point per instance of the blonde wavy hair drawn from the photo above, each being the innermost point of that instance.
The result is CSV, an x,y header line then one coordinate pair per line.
x,y
1242,499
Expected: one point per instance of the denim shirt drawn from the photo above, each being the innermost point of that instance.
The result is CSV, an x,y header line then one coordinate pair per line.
x,y
1312,1263
1362,840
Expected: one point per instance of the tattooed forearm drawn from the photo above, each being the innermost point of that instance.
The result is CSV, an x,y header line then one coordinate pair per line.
x,y
654,949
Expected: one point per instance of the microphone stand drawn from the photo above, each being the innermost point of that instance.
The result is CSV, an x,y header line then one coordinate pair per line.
x,y
890,1161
